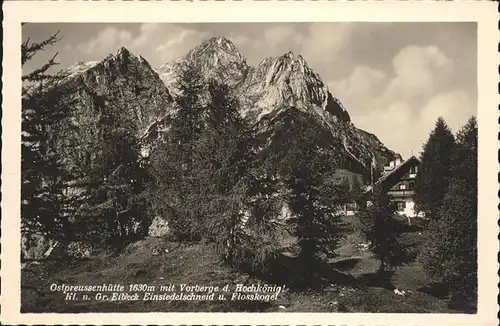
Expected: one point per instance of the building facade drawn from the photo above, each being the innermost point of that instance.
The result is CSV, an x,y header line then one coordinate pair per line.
x,y
403,191
398,180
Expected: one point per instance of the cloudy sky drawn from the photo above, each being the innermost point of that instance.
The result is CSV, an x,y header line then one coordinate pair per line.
x,y
395,79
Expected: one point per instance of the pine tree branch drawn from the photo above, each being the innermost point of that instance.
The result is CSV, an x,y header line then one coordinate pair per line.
x,y
39,74
29,50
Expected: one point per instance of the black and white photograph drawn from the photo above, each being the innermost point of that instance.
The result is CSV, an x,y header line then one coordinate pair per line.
x,y
257,167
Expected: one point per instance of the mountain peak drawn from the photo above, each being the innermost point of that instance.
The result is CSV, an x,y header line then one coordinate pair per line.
x,y
222,43
291,57
216,50
216,57
121,56
220,40
291,54
122,52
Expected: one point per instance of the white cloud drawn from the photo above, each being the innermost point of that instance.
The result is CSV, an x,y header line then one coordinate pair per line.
x,y
419,71
239,40
278,35
362,84
453,105
393,126
146,32
272,41
179,42
401,130
318,43
402,106
165,42
156,42
324,41
108,38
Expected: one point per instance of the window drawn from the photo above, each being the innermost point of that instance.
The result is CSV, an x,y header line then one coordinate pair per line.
x,y
402,186
401,205
411,185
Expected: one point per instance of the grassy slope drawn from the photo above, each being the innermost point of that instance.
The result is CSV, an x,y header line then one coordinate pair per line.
x,y
148,261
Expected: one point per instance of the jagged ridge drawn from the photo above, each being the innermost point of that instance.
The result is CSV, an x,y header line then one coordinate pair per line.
x,y
275,84
264,92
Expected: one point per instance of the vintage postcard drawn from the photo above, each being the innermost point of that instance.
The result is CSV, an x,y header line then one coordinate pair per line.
x,y
250,162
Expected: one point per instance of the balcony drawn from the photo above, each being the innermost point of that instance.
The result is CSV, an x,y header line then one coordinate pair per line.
x,y
401,193
409,176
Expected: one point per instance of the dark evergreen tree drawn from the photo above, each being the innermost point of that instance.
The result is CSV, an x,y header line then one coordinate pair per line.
x,y
316,217
382,231
110,207
192,104
315,197
42,200
434,171
172,162
265,227
221,160
450,254
201,168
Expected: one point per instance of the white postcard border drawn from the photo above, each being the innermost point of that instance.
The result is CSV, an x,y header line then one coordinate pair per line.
x,y
482,12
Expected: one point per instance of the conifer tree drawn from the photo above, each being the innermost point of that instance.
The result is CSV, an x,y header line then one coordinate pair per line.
x,y
112,209
434,171
315,198
201,167
382,231
450,254
316,217
172,162
221,160
42,176
266,225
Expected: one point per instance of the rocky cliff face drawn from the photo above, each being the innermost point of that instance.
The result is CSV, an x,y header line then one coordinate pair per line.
x,y
125,86
274,86
121,91
382,153
123,80
287,81
217,58
284,80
